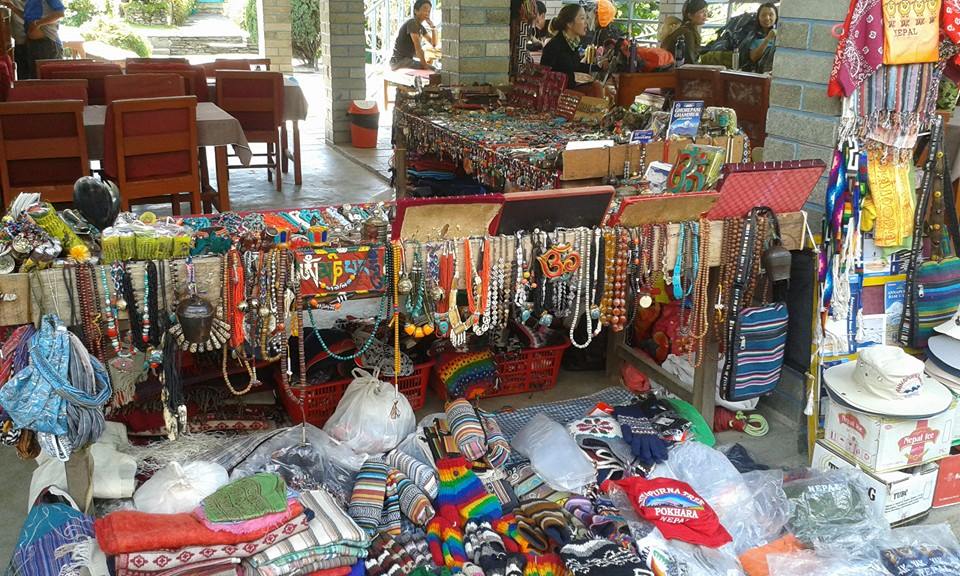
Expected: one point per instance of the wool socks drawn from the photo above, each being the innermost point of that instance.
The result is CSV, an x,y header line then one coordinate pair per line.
x,y
466,429
462,496
369,492
601,558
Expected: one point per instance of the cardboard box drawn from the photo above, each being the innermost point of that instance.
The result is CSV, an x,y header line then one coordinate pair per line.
x,y
947,492
884,444
901,496
599,162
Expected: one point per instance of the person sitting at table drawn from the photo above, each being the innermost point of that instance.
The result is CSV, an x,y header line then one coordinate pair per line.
x,y
684,42
407,51
562,52
757,49
541,30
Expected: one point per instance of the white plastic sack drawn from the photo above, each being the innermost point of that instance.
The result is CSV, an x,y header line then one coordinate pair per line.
x,y
811,563
681,368
176,489
372,417
554,455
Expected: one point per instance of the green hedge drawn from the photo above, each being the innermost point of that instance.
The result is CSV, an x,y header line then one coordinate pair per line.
x,y
79,12
305,20
156,12
116,33
250,21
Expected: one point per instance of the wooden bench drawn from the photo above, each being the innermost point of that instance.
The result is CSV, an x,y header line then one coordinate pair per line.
x,y
402,78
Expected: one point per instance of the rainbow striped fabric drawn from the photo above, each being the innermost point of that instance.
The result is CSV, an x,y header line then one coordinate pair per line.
x,y
467,374
462,495
369,493
758,352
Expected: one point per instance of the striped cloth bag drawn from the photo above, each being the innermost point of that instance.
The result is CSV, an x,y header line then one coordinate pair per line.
x,y
936,298
756,352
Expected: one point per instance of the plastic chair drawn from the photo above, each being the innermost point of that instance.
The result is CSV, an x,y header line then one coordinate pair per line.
x,y
132,86
93,73
256,100
39,90
43,148
150,151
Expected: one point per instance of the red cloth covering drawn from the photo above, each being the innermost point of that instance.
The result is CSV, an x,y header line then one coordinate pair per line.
x,y
675,509
130,531
342,571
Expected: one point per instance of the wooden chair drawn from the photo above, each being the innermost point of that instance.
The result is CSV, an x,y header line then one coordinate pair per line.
x,y
194,77
242,64
93,73
37,90
40,64
127,87
43,148
256,100
168,60
150,151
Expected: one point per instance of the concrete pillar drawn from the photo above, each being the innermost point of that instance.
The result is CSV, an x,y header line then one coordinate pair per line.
x,y
342,64
276,38
476,41
802,120
671,8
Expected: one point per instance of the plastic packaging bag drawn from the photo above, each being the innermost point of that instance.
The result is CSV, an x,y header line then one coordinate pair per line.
x,y
372,417
810,563
831,511
716,480
306,458
554,455
921,551
175,489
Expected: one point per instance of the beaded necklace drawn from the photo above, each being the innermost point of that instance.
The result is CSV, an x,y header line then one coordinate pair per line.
x,y
701,320
582,288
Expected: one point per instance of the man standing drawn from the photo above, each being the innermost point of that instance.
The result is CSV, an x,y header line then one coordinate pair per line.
x,y
40,25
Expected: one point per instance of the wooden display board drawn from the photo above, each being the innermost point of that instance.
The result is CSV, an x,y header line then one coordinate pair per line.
x,y
602,162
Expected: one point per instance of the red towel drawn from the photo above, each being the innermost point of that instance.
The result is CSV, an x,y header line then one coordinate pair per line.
x,y
130,531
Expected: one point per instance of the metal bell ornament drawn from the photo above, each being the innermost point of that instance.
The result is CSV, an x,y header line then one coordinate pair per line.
x,y
195,316
776,261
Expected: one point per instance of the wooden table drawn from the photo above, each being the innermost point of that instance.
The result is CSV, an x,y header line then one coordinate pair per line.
x,y
214,128
295,108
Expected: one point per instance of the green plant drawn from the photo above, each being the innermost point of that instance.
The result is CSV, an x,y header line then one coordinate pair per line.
x,y
158,12
79,12
251,21
117,33
305,20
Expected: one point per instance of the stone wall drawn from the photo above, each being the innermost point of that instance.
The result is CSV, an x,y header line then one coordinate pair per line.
x,y
276,38
802,120
342,64
476,41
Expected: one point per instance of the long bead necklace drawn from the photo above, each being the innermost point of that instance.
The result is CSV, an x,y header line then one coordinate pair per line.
x,y
700,324
230,296
110,316
388,269
582,291
618,318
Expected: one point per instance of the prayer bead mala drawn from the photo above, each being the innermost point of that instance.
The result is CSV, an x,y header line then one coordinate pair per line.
x,y
700,324
231,282
582,289
89,314
609,266
618,317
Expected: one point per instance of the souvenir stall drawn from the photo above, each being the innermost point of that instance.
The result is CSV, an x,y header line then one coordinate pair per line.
x,y
884,396
455,141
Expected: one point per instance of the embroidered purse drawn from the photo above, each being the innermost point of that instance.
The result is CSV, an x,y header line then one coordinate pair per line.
x,y
757,335
933,286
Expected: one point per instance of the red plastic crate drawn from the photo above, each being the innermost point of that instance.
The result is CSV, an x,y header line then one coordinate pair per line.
x,y
320,400
522,372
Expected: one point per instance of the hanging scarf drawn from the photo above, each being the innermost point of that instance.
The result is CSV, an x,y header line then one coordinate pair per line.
x,y
860,50
891,193
911,31
950,20
896,102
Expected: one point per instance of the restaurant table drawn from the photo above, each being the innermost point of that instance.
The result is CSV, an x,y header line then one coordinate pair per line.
x,y
295,109
214,128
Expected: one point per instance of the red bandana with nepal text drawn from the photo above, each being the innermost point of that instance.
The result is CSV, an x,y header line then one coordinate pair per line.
x,y
675,509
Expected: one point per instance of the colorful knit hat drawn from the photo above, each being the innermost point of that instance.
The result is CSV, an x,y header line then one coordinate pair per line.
x,y
601,558
467,374
247,498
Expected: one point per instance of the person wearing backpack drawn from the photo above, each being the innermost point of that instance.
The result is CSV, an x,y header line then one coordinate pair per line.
x,y
757,49
684,42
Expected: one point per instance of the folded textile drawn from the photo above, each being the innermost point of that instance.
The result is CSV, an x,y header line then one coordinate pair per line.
x,y
244,527
422,475
413,502
498,448
528,485
54,539
390,517
247,498
302,566
601,558
467,429
330,527
201,567
132,531
156,561
369,493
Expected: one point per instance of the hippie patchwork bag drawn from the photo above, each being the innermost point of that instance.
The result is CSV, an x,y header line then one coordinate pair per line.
x,y
933,285
756,335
